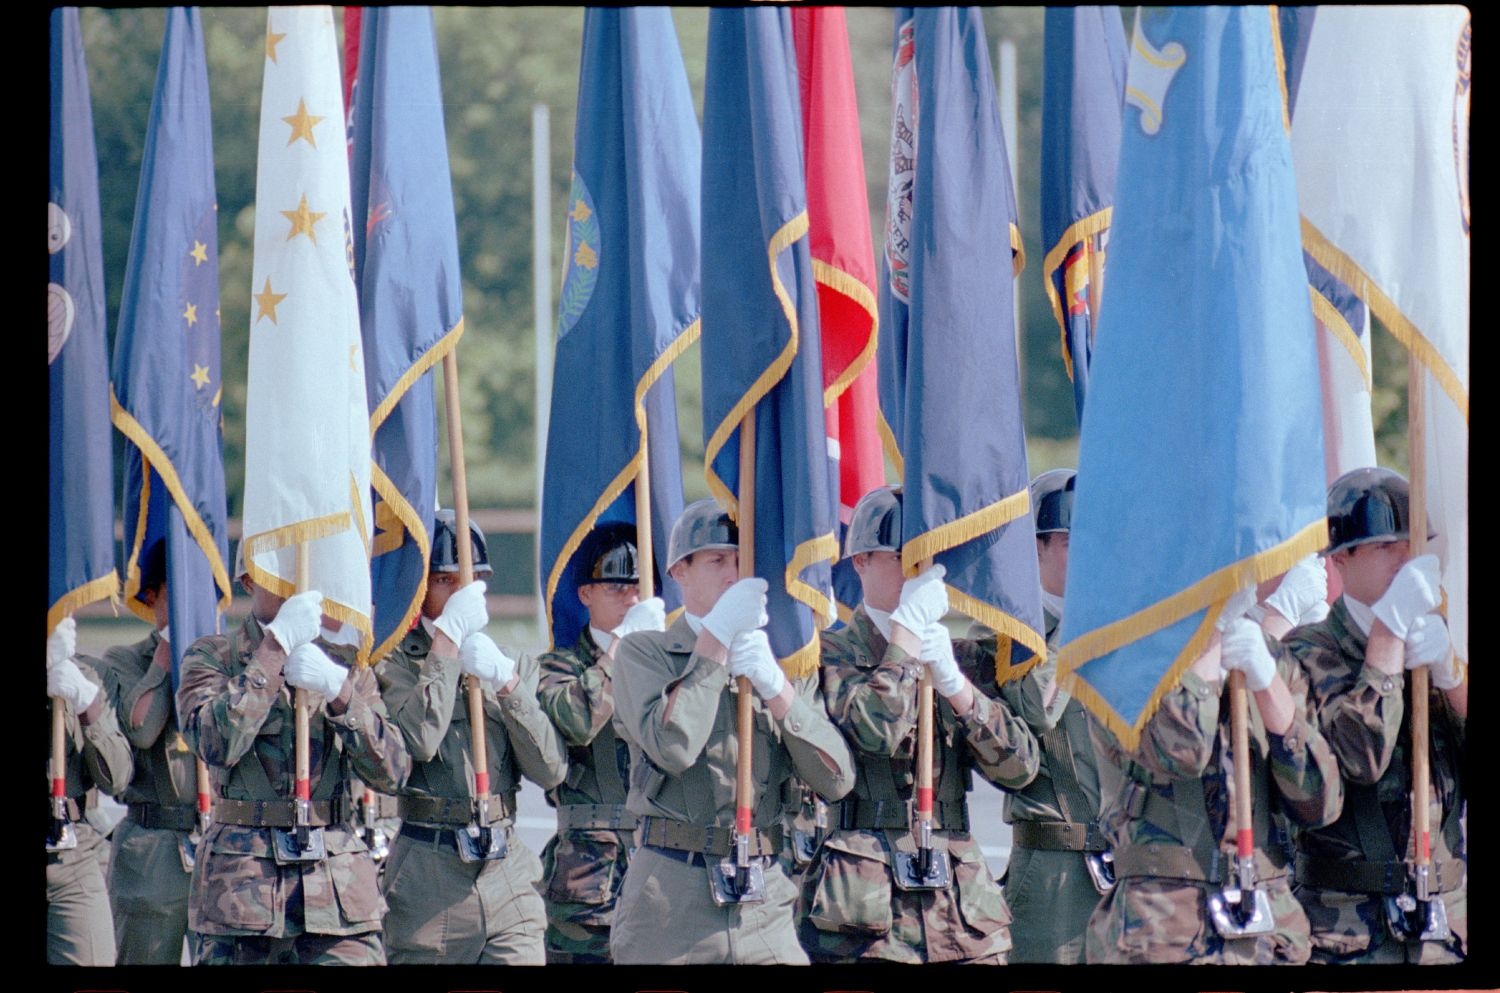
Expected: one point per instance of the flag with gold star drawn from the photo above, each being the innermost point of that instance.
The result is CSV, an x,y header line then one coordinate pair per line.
x,y
167,385
307,426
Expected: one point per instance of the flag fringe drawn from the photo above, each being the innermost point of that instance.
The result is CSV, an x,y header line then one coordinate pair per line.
x,y
132,584
1080,230
1329,316
291,534
888,443
1017,251
1007,629
417,528
417,370
842,282
1277,48
341,612
104,587
822,548
968,527
804,661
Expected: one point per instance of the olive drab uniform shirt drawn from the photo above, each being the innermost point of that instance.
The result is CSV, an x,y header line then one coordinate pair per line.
x,y
1346,869
851,906
239,719
1174,834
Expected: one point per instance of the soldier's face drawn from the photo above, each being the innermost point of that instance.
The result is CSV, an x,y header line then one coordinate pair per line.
x,y
263,603
1052,560
1367,570
704,576
440,586
880,578
607,603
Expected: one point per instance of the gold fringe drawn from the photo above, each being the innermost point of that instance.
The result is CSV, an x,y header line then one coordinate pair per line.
x,y
845,614
1334,321
104,587
982,521
1276,46
888,443
133,560
823,547
1007,629
1347,271
1080,230
804,661
1017,251
357,512
359,620
290,534
415,527
417,370
842,282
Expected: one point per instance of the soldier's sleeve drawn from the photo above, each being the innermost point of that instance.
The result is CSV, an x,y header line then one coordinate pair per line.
x,y
536,742
819,754
577,698
371,739
876,708
669,716
1360,721
421,702
1004,749
106,752
221,714
142,703
1178,740
1303,766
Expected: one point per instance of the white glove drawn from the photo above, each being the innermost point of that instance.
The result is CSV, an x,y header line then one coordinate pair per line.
x,y
67,682
648,615
742,608
308,667
1415,591
483,658
464,615
298,621
751,656
1238,604
1428,643
62,642
1315,614
924,600
1244,648
937,655
1304,586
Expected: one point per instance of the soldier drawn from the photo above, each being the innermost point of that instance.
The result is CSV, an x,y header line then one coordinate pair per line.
x,y
265,891
96,756
684,900
1060,862
584,863
1354,875
863,897
461,890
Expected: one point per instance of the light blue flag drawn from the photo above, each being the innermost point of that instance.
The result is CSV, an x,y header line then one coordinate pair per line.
x,y
1201,453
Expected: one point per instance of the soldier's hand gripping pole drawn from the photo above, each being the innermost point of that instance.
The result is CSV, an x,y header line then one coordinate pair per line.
x,y
744,727
1243,909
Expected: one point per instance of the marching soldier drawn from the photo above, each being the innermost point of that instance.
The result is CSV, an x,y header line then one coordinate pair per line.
x,y
461,891
685,898
1355,876
866,896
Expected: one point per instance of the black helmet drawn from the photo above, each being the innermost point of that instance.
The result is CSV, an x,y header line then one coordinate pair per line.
x,y
445,547
609,556
702,524
1052,500
875,525
1366,505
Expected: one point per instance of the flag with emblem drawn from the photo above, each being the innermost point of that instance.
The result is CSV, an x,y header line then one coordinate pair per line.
x,y
80,489
629,303
410,295
762,355
1200,456
1083,97
167,382
949,384
307,424
1394,82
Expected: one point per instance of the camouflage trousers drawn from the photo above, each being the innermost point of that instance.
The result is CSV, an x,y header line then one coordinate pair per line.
x,y
80,930
582,871
1351,928
304,949
148,893
1153,920
1051,896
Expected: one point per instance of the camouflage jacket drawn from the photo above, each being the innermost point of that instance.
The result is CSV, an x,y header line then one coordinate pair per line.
x,y
166,772
96,755
428,700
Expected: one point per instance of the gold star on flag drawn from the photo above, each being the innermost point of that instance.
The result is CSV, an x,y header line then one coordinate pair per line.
x,y
302,124
267,301
303,220
272,40
200,375
199,252
191,314
580,211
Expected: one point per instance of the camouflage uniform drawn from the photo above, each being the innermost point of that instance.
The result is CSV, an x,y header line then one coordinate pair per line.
x,y
444,910
1363,714
96,757
246,907
584,863
677,711
851,905
1174,833
153,847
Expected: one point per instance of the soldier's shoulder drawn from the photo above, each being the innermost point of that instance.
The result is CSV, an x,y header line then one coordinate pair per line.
x,y
134,657
210,647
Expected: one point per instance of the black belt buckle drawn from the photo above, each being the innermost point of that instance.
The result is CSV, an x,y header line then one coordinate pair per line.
x,y
731,883
480,844
1101,866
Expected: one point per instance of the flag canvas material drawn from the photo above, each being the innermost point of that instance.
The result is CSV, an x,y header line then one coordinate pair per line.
x,y
80,487
949,383
1200,457
410,295
167,379
307,430
629,305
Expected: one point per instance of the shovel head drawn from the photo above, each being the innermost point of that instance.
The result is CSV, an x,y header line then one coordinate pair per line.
x,y
804,846
378,843
1238,913
187,848
1101,866
1410,919
298,844
911,871
480,844
61,835
729,882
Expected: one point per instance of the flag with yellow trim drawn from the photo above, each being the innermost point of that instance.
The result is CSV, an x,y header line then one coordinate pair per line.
x,y
1201,457
950,388
762,354
307,424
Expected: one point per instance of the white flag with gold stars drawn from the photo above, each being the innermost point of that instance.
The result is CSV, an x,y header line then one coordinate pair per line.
x,y
307,432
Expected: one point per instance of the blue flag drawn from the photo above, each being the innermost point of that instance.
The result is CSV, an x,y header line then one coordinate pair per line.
x,y
80,515
1083,96
167,382
629,304
1201,453
762,357
949,387
410,295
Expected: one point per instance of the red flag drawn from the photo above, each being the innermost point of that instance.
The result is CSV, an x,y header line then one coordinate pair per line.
x,y
353,18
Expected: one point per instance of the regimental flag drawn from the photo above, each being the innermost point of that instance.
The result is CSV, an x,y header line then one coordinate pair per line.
x,y
410,295
167,382
307,430
1201,457
80,514
1394,82
630,299
1083,99
762,357
843,258
949,386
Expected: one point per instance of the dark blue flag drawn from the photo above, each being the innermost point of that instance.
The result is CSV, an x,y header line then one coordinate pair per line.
x,y
1083,98
762,357
950,391
410,295
629,302
80,515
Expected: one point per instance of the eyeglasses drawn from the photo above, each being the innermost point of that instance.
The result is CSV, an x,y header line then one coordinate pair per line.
x,y
616,589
